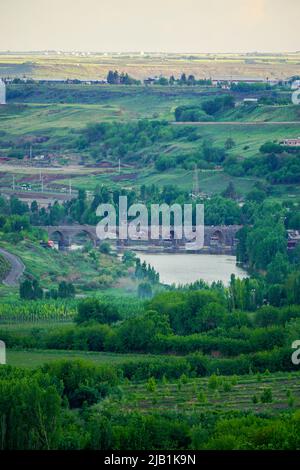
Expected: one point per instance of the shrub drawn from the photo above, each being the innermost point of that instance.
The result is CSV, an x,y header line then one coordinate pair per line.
x,y
266,396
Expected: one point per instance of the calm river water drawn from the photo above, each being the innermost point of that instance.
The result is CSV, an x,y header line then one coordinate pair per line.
x,y
187,268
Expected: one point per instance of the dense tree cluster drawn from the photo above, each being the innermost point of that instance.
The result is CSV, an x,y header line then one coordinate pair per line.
x,y
277,163
31,290
206,111
116,78
243,87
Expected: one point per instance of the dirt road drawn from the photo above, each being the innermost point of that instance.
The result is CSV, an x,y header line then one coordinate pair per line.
x,y
16,269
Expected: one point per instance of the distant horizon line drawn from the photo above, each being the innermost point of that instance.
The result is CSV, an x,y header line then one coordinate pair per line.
x,y
143,52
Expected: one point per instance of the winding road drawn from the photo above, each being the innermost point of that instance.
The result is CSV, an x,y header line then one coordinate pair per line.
x,y
16,268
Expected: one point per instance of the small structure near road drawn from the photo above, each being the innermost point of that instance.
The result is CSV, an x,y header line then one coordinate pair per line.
x,y
291,142
2,92
248,101
293,239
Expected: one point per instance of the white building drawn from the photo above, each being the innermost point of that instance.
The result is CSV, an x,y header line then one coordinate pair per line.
x,y
291,142
2,92
250,100
295,85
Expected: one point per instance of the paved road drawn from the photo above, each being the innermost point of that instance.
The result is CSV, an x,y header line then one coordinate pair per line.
x,y
16,270
236,123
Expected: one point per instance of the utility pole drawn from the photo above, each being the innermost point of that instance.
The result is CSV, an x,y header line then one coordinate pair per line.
x,y
40,175
42,184
196,189
13,185
30,154
119,166
70,187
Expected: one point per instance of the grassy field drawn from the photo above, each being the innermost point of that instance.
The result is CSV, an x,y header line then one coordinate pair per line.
x,y
35,358
232,393
248,137
59,122
262,113
38,118
121,102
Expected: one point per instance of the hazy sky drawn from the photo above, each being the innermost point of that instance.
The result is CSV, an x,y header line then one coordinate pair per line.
x,y
150,25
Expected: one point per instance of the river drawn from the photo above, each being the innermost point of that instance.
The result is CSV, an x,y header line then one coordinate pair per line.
x,y
187,268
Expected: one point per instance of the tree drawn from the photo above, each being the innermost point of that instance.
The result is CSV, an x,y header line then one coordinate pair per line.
x,y
271,147
16,223
151,385
191,80
25,289
34,206
17,207
230,143
185,309
230,191
292,288
145,290
210,317
30,410
111,77
100,431
37,290
105,248
266,396
278,269
66,290
30,290
139,333
92,309
183,79
129,258
256,195
219,104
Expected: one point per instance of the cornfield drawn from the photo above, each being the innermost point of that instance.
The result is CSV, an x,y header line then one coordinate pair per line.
x,y
37,311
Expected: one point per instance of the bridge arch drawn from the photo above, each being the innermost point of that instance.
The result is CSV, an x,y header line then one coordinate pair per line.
x,y
57,236
82,234
65,234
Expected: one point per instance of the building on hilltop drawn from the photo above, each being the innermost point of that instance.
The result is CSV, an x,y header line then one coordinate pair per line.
x,y
228,81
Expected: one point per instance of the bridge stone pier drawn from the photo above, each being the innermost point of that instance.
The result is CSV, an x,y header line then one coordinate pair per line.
x,y
217,239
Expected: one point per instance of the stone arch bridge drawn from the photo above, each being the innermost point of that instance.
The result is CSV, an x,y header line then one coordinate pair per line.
x,y
67,233
216,238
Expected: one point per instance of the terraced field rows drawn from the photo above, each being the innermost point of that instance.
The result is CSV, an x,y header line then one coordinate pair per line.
x,y
231,393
